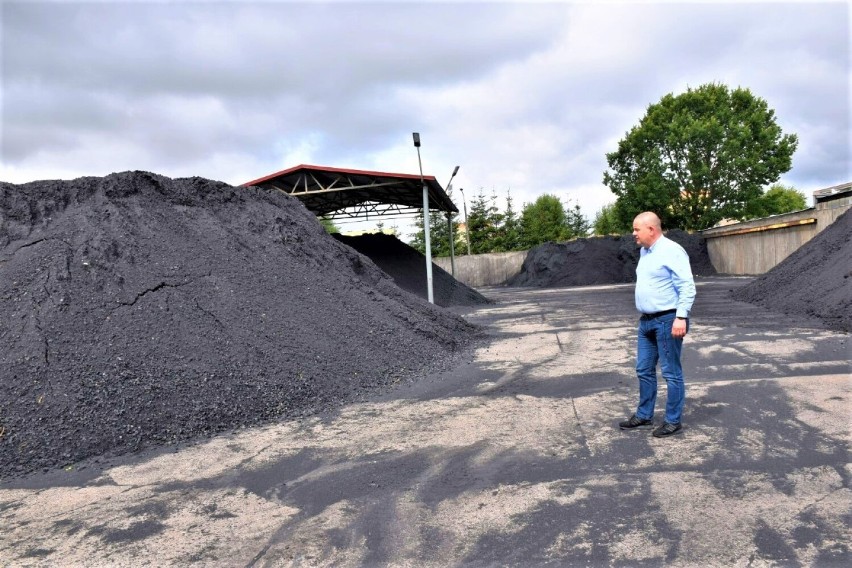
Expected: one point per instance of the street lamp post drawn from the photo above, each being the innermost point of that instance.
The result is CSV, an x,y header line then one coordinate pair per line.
x,y
430,295
466,226
450,227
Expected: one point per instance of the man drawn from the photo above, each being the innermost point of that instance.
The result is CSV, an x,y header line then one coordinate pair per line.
x,y
665,291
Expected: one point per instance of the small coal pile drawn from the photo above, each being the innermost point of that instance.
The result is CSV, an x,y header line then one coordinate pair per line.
x,y
138,310
600,260
816,280
408,269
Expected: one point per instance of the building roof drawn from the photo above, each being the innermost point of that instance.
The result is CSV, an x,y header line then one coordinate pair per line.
x,y
337,192
833,192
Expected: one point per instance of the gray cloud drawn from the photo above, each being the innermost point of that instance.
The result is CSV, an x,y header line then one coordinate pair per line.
x,y
524,96
245,49
292,67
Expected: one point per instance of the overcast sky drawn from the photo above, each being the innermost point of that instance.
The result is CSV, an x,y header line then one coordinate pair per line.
x,y
525,97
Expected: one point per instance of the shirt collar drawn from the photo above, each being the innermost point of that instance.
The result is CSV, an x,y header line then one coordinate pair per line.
x,y
653,246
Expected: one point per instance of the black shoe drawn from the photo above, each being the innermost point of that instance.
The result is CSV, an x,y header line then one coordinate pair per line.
x,y
667,430
636,423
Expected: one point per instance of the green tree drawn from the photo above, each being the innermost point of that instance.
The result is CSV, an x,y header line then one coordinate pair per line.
x,y
777,199
698,157
607,221
328,225
439,233
543,220
483,222
418,238
577,224
509,231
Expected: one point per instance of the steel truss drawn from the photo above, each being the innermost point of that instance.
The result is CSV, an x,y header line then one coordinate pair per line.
x,y
335,193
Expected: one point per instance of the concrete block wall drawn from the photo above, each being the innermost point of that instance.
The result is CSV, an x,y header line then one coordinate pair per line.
x,y
492,269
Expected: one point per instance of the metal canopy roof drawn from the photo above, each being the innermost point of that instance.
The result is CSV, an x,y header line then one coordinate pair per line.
x,y
336,192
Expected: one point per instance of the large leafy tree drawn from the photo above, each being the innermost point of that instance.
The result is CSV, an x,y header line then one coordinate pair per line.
x,y
698,157
777,199
607,221
546,219
543,220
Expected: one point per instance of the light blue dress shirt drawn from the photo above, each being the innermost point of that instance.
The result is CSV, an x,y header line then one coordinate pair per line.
x,y
664,279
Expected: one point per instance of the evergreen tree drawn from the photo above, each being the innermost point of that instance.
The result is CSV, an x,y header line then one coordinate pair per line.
x,y
418,238
492,231
577,224
439,233
483,223
510,228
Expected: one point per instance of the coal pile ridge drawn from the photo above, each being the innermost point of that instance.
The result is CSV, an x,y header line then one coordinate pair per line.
x,y
816,280
138,311
407,267
600,260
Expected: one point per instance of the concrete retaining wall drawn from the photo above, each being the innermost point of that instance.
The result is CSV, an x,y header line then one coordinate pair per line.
x,y
492,269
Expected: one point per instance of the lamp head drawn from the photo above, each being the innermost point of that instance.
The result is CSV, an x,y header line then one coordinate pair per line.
x,y
416,136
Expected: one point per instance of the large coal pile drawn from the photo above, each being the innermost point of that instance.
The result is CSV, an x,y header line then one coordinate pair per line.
x,y
137,310
816,280
408,269
600,260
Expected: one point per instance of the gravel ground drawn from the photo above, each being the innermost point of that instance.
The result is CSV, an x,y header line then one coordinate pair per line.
x,y
600,260
138,310
816,280
512,458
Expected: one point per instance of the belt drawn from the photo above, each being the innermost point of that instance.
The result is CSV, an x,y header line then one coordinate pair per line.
x,y
658,314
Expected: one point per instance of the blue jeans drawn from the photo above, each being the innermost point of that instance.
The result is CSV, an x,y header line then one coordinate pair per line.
x,y
655,343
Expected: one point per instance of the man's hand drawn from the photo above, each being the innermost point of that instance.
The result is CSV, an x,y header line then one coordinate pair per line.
x,y
679,328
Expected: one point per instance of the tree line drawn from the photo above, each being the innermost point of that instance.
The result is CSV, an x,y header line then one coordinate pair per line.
x,y
696,158
488,229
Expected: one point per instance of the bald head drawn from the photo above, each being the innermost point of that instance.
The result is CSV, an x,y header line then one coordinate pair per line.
x,y
650,219
647,229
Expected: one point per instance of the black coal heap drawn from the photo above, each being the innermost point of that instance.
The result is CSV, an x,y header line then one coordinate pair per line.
x,y
600,260
407,267
815,281
138,310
